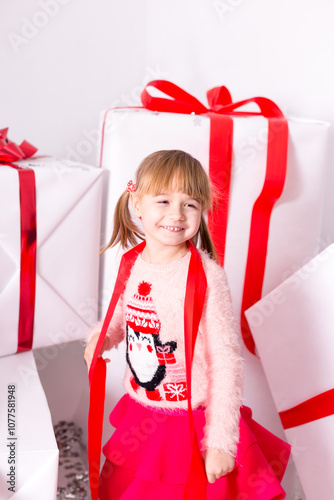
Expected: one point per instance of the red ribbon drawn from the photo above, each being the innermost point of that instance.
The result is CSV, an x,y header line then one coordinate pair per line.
x,y
97,375
315,408
195,295
10,152
195,487
221,146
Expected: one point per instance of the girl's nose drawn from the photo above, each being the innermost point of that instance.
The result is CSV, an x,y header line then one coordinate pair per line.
x,y
176,213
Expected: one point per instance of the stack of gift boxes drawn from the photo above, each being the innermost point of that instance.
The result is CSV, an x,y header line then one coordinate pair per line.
x,y
50,230
273,172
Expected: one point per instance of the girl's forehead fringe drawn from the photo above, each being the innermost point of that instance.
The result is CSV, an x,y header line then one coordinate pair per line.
x,y
162,184
171,173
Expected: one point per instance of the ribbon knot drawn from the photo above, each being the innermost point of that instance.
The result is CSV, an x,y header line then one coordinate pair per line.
x,y
219,99
9,151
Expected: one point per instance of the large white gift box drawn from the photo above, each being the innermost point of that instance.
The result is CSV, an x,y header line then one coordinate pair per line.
x,y
129,135
28,449
293,330
68,207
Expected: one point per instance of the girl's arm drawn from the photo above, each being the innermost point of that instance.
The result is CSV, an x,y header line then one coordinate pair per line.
x,y
225,366
115,334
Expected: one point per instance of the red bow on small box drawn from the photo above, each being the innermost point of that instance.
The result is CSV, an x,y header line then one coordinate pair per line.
x,y
11,152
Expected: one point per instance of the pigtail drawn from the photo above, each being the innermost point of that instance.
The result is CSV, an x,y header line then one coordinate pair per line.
x,y
206,242
125,231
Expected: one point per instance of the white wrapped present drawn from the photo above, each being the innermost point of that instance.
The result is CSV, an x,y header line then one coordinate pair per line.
x,y
28,449
293,329
68,204
130,134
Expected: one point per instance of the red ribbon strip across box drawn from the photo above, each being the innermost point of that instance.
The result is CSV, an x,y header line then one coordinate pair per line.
x,y
44,294
10,152
293,330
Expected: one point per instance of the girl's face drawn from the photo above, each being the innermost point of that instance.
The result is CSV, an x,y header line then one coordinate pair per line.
x,y
169,219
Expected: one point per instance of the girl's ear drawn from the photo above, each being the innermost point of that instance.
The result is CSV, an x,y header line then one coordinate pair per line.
x,y
135,201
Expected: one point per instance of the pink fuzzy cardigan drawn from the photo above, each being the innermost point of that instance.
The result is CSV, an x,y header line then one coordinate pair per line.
x,y
155,373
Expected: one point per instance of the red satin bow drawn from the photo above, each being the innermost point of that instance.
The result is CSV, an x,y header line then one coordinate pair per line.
x,y
315,408
219,99
220,111
10,152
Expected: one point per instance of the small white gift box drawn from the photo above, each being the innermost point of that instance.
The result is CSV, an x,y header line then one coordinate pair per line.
x,y
28,449
293,330
68,205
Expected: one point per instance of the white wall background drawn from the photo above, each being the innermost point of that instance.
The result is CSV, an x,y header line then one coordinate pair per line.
x,y
63,61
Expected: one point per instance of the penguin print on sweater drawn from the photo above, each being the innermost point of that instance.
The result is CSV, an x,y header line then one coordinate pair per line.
x,y
146,355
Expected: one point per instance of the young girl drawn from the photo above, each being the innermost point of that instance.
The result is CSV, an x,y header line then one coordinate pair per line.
x,y
149,455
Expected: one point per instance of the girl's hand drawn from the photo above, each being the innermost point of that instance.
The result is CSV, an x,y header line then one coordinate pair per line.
x,y
90,348
217,464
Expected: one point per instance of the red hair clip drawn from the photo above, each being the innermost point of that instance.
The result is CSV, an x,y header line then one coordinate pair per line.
x,y
131,187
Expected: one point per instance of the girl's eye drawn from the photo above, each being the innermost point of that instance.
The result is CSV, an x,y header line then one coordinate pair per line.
x,y
163,201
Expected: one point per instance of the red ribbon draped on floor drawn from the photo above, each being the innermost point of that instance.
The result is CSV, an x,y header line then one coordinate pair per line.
x,y
220,111
10,152
319,406
195,295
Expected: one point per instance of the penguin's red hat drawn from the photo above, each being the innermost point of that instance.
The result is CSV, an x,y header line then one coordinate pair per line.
x,y
141,314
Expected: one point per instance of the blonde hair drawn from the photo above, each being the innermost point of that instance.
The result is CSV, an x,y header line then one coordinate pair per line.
x,y
159,172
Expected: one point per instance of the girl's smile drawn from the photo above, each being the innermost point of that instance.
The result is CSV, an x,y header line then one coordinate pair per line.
x,y
175,229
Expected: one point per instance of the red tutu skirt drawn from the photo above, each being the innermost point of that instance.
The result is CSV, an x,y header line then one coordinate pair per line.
x,y
148,457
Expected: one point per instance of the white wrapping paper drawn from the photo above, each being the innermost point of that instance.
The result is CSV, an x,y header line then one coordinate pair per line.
x,y
293,330
34,450
68,199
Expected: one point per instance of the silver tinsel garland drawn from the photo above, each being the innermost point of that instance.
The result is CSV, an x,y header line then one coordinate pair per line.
x,y
73,479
